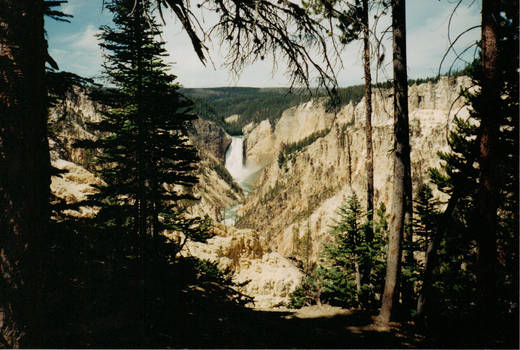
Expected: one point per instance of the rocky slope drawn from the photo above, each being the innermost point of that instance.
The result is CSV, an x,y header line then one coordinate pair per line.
x,y
271,276
294,195
267,276
68,122
302,193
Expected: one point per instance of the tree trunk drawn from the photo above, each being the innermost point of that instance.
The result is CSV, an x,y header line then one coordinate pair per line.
x,y
358,275
487,203
401,195
430,263
369,160
358,280
24,169
349,168
141,161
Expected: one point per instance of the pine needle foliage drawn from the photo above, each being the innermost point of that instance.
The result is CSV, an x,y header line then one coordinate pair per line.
x,y
456,274
337,278
146,161
349,252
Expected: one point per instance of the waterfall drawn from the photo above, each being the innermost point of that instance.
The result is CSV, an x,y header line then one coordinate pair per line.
x,y
235,159
240,172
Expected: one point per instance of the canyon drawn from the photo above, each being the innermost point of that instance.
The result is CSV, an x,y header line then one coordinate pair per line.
x,y
263,204
302,193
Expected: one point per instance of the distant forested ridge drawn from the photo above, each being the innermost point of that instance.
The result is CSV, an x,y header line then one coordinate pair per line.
x,y
252,104
257,104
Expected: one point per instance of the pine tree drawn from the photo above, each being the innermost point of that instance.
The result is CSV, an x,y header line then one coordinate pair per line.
x,y
425,227
459,288
401,211
340,274
146,162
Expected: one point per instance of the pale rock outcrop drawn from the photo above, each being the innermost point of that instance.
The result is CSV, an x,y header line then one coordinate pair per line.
x,y
208,137
296,123
68,122
248,127
260,144
232,118
214,193
74,185
242,251
271,276
305,192
271,280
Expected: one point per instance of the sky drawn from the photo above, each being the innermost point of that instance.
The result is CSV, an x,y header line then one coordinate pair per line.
x,y
74,46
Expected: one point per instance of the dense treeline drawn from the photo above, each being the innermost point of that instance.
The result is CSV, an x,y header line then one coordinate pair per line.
x,y
251,104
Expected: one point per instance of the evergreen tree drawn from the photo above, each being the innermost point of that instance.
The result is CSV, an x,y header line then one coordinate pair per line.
x,y
457,276
340,274
146,162
425,227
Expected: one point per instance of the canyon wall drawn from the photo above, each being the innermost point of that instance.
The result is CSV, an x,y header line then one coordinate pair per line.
x,y
302,193
293,195
69,121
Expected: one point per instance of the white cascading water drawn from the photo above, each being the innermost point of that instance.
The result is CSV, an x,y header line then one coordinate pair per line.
x,y
239,171
235,159
235,164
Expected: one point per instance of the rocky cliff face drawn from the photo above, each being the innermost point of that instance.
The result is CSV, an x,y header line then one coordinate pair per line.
x,y
209,138
292,197
303,193
264,141
271,277
69,122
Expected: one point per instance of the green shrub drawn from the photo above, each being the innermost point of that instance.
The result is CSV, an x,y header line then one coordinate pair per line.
x,y
308,293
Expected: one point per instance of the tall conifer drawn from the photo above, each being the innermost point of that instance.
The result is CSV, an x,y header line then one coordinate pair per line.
x,y
146,161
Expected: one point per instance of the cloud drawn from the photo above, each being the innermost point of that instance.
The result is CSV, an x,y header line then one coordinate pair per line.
x,y
428,43
69,8
79,52
192,73
75,47
87,40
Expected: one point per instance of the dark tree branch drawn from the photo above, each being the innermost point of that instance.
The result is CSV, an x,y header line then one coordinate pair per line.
x,y
254,29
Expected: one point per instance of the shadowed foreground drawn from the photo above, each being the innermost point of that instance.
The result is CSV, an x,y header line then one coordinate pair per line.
x,y
204,320
98,297
203,316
